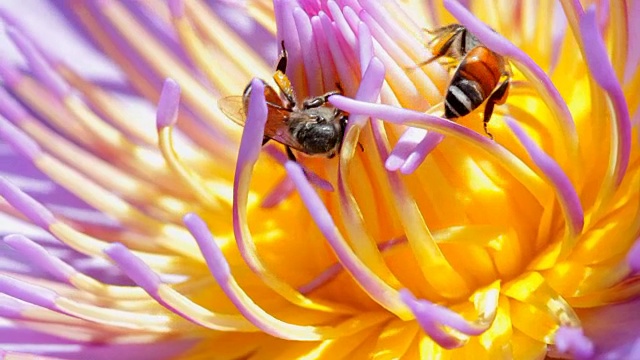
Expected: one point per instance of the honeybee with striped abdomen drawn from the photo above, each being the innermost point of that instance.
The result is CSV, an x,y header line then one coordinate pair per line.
x,y
480,74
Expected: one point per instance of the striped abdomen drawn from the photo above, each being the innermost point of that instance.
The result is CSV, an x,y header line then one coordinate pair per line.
x,y
473,81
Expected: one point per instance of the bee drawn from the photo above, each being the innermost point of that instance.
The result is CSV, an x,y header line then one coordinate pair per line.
x,y
312,127
480,74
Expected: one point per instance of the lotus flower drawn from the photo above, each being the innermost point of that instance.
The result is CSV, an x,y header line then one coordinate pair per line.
x,y
139,222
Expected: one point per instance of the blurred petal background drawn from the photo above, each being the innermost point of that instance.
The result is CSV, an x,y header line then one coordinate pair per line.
x,y
420,246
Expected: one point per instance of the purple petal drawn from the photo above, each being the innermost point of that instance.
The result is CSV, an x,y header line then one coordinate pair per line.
x,y
315,179
334,269
169,104
405,146
559,31
134,267
20,141
569,199
251,141
250,146
39,65
150,281
324,277
219,268
377,289
602,71
33,294
372,80
50,347
424,312
310,57
329,76
633,257
177,8
10,108
278,194
37,254
365,46
343,57
614,330
415,159
214,258
341,25
633,14
413,85
9,73
33,210
571,340
11,308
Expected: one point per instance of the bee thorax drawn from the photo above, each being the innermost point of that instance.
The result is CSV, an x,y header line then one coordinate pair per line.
x,y
317,138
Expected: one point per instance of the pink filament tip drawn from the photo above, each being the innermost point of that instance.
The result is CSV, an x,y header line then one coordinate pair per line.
x,y
169,104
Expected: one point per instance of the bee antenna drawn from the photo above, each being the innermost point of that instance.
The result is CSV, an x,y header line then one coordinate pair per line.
x,y
282,62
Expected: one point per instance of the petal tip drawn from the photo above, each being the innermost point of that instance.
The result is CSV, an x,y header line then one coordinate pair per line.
x,y
169,104
133,266
20,141
633,257
572,341
176,7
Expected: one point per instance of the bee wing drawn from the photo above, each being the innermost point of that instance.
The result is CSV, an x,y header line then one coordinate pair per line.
x,y
277,127
233,107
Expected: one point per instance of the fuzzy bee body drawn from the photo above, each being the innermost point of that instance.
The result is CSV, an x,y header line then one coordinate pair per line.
x,y
480,74
312,127
475,79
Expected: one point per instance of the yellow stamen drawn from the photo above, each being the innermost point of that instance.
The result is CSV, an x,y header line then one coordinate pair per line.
x,y
94,247
201,315
363,245
223,38
134,190
429,256
262,12
532,289
225,81
192,180
618,41
165,64
395,339
40,100
102,100
94,29
117,318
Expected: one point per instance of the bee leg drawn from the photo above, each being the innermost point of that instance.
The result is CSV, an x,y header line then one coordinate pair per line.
x,y
449,63
290,154
282,62
488,111
444,48
498,96
423,63
281,79
318,100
